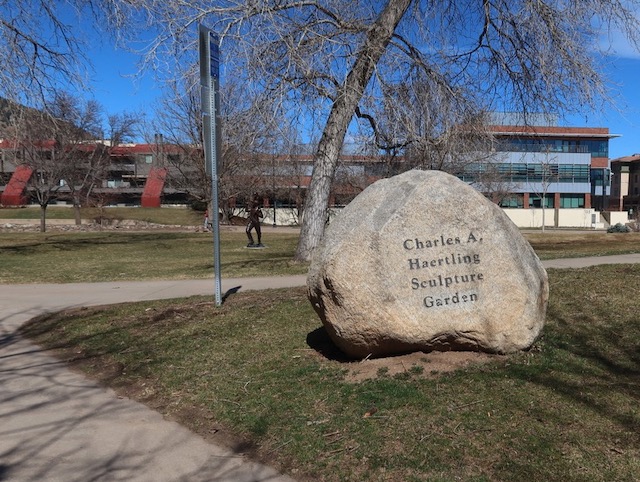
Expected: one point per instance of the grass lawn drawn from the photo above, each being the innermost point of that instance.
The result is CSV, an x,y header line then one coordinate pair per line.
x,y
260,368
172,216
63,257
568,244
112,256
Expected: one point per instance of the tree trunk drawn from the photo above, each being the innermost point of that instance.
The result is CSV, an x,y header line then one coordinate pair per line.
x,y
43,218
226,217
342,110
76,209
226,211
544,201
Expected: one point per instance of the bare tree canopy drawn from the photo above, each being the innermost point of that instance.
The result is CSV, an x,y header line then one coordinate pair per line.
x,y
338,59
123,127
252,135
41,47
326,61
59,145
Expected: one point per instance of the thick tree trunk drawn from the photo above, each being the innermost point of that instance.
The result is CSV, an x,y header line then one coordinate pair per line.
x,y
43,218
343,109
76,209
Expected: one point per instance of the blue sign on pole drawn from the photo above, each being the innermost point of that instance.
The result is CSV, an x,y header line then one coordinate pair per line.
x,y
215,56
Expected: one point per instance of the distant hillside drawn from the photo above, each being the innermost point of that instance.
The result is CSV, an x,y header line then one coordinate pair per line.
x,y
6,110
10,112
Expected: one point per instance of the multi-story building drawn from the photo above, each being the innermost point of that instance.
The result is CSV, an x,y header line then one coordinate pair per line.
x,y
125,176
625,183
545,164
530,166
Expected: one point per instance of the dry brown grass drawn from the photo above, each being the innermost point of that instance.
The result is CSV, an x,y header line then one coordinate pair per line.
x,y
259,374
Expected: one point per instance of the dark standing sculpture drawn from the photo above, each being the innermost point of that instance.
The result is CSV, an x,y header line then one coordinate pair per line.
x,y
253,222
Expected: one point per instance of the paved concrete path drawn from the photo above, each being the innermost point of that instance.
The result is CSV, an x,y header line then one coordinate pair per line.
x,y
56,425
592,261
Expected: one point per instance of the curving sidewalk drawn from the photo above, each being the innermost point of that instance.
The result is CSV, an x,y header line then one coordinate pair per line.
x,y
562,263
56,425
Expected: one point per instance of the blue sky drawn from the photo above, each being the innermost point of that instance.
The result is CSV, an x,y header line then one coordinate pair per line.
x,y
116,85
625,72
623,118
118,90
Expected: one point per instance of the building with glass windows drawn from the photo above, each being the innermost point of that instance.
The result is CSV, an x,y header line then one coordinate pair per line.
x,y
545,164
625,184
528,166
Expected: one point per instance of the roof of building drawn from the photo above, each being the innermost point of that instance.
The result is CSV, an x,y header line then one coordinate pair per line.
x,y
131,149
554,131
627,159
10,144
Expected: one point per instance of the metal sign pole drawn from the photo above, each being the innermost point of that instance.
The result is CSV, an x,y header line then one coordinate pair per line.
x,y
209,83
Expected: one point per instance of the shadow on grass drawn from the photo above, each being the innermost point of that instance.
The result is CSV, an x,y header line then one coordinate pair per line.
x,y
594,367
64,242
231,291
123,365
102,361
49,414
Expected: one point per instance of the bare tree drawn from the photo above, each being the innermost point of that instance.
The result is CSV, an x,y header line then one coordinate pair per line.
x,y
64,147
123,127
60,146
427,125
76,128
545,173
42,50
100,199
335,57
178,119
32,133
250,136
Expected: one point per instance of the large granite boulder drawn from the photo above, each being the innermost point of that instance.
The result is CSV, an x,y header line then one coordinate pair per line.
x,y
422,261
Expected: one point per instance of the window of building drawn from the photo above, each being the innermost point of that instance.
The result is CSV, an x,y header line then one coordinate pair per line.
x,y
568,201
512,201
519,172
597,177
472,172
346,170
534,172
573,173
596,147
535,200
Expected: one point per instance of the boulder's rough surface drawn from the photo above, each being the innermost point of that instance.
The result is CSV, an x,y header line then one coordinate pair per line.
x,y
422,261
